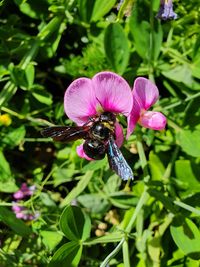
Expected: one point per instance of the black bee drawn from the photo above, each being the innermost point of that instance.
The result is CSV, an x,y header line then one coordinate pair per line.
x,y
99,135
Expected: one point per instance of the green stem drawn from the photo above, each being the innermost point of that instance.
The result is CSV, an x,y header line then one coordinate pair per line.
x,y
143,159
28,57
187,207
140,204
151,44
113,253
126,257
170,165
178,103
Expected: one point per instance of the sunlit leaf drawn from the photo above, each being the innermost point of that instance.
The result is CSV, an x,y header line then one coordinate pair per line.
x,y
75,223
116,47
186,235
68,255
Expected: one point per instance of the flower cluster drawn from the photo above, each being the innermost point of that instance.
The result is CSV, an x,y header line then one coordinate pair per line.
x,y
20,211
24,191
107,91
166,10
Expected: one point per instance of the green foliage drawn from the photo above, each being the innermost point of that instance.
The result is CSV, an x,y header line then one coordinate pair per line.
x,y
187,237
75,224
118,52
87,215
18,226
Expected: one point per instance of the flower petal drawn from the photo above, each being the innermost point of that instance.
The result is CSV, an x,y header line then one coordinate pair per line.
x,y
133,118
112,92
145,92
80,101
81,153
153,120
119,134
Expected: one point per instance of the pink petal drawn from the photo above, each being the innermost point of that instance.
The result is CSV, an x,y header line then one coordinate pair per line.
x,y
18,195
153,120
80,101
133,118
119,134
17,208
145,92
20,215
81,153
112,92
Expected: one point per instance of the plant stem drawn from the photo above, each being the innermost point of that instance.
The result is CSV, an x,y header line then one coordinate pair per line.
x,y
113,253
187,207
125,250
182,101
140,204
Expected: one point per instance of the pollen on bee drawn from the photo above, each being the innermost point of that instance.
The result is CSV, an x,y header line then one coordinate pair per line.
x,y
99,109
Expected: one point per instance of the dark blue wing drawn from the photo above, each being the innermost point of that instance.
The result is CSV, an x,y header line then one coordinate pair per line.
x,y
117,161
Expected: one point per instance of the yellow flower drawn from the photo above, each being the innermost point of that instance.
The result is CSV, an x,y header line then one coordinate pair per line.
x,y
5,119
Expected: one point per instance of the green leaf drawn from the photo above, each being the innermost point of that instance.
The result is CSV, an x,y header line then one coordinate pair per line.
x,y
51,239
190,142
33,8
186,235
18,226
109,238
23,78
95,165
147,41
196,48
140,31
183,75
7,92
43,96
68,255
185,173
14,137
95,203
156,167
112,185
101,8
85,9
63,175
75,223
166,201
30,75
78,189
116,47
123,200
7,182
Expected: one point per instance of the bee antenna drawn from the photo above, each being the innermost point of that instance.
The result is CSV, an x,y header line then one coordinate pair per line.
x,y
98,101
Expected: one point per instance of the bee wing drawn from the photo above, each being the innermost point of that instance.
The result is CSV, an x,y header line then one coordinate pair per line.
x,y
117,161
65,133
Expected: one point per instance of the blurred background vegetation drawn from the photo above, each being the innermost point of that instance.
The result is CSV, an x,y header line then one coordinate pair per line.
x,y
44,46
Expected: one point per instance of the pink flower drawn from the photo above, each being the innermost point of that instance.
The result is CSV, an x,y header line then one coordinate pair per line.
x,y
24,191
86,98
22,212
145,94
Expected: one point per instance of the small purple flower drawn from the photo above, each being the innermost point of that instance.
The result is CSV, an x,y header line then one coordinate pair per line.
x,y
24,191
166,10
23,213
145,94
